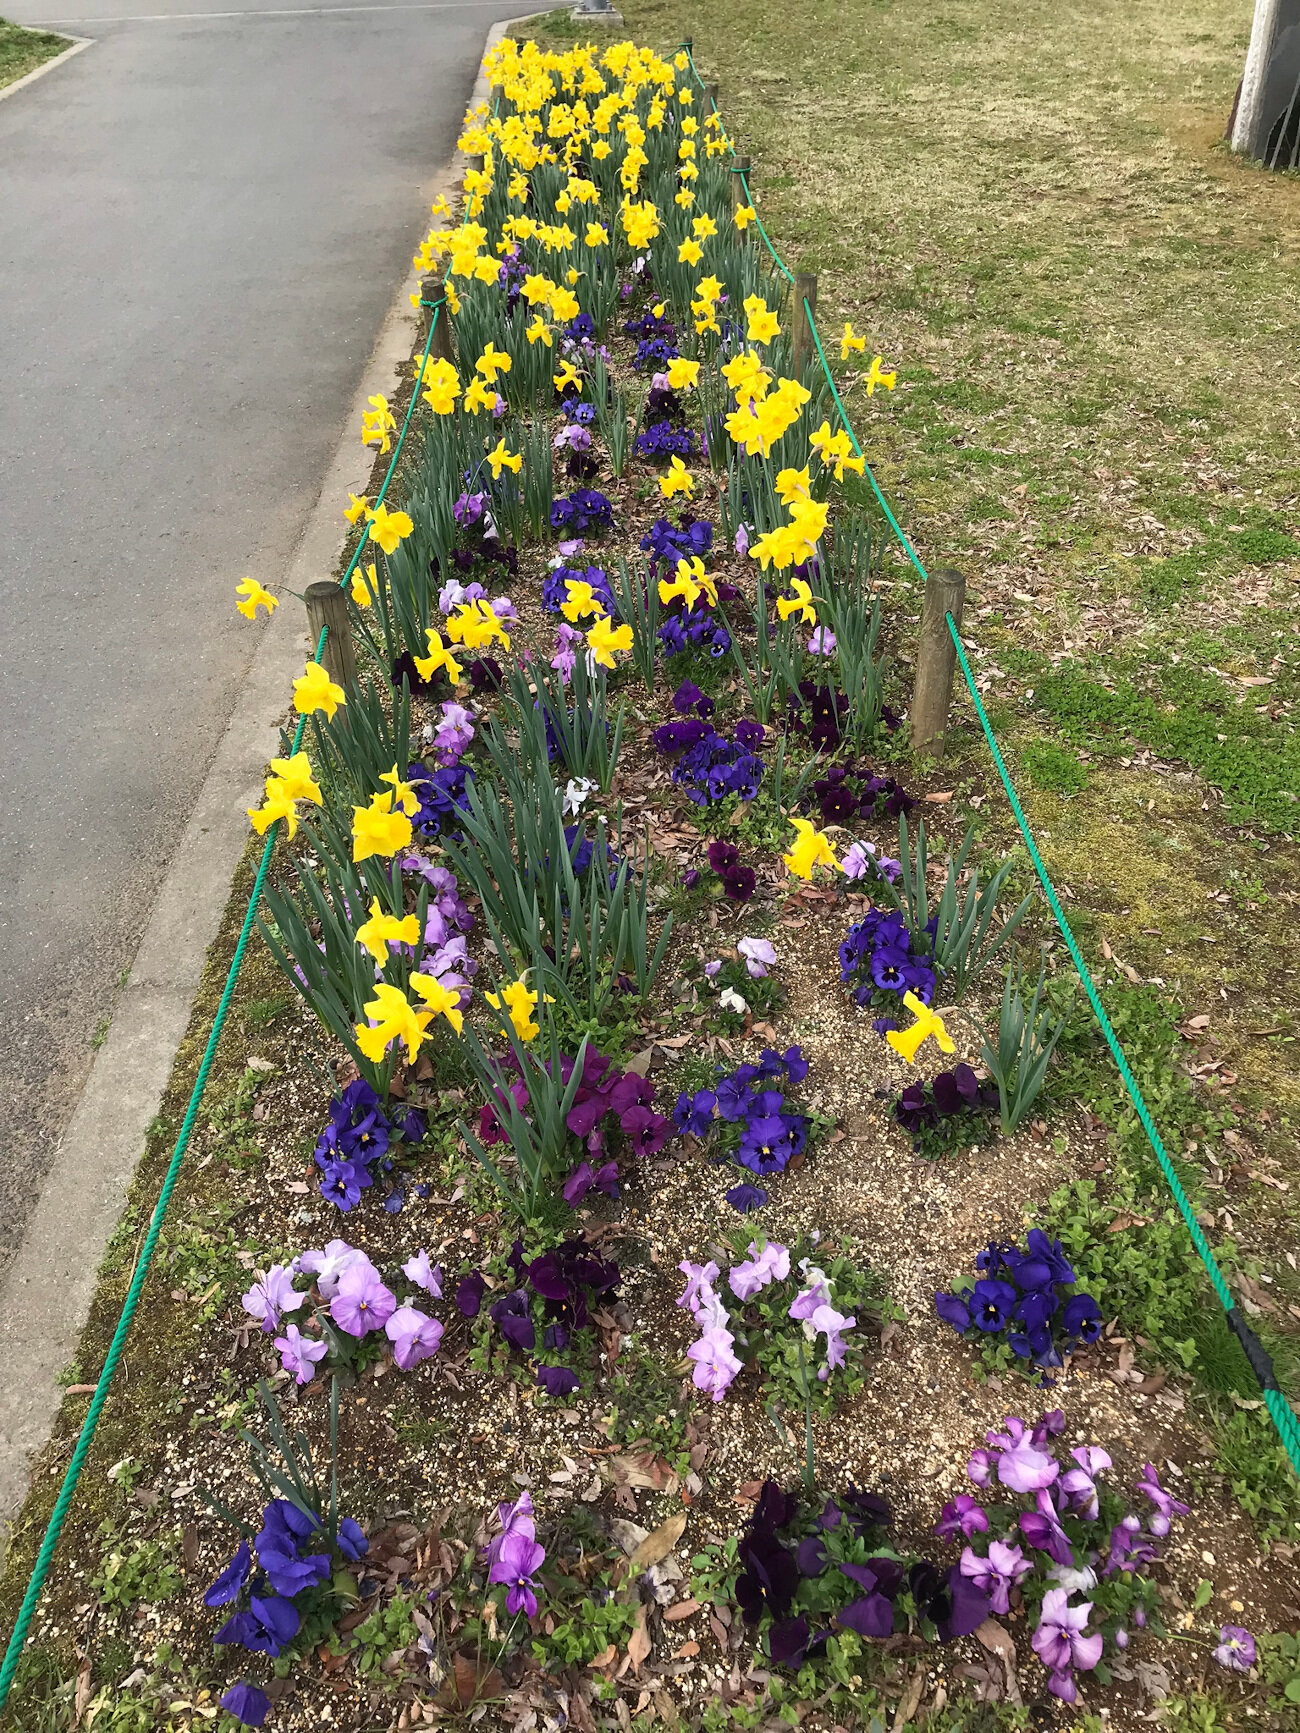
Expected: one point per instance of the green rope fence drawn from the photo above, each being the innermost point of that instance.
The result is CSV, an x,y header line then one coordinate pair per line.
x,y
1283,1416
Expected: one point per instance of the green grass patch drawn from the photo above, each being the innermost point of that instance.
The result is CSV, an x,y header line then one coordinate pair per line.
x,y
22,51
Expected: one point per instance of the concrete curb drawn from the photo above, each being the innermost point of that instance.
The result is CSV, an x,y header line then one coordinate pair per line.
x,y
78,43
48,1288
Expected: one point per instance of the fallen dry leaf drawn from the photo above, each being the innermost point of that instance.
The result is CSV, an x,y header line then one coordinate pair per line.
x,y
658,1545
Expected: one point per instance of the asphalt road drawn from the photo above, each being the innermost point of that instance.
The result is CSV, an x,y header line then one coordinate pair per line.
x,y
203,221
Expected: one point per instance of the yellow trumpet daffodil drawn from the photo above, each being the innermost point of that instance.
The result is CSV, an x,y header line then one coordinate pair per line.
x,y
499,458
278,804
474,625
567,375
800,603
677,480
365,585
439,657
763,323
877,376
379,828
381,930
519,1004
358,506
537,290
810,849
690,252
743,216
491,362
443,387
690,583
793,484
539,331
295,777
683,375
850,340
314,690
388,528
393,1018
404,794
928,1023
255,597
441,1001
377,423
597,235
704,226
605,638
478,396
580,601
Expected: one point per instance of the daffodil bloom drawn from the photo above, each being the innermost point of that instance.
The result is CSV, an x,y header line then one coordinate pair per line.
x,y
388,528
441,1001
439,657
294,776
499,458
709,289
850,340
580,600
793,484
743,216
597,235
683,375
799,603
381,930
379,828
539,331
278,804
677,480
605,638
475,625
478,396
907,1042
377,423
690,252
519,1004
567,375
314,690
877,376
393,1018
404,794
564,305
704,226
835,450
255,597
358,507
365,585
810,849
763,323
685,198
492,361
537,290
747,376
443,387
690,583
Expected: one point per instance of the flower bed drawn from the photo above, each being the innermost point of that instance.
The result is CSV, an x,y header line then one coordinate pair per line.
x,y
588,1239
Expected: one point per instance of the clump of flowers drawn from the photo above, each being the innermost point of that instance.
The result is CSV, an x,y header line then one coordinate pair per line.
x,y
954,1111
662,439
1021,1300
711,767
737,881
513,1557
1082,1536
695,628
441,794
358,1137
812,1570
582,511
742,981
555,586
789,1320
612,1114
761,1132
848,793
551,1301
880,960
667,542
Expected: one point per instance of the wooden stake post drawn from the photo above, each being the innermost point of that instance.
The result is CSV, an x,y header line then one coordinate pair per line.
x,y
740,170
326,606
805,289
936,659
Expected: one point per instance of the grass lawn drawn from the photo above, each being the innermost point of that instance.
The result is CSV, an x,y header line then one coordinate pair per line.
x,y
22,51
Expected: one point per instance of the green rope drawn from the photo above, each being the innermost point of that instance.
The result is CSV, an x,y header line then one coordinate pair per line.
x,y
1285,1420
143,1263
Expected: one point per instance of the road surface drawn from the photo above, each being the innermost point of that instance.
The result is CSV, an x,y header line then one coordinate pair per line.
x,y
204,218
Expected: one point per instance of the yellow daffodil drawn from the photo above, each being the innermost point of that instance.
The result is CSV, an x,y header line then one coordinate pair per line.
x,y
690,252
314,690
519,1004
690,583
539,331
388,528
365,585
439,657
877,376
404,794
704,226
441,1001
377,423
357,507
491,362
850,340
443,385
537,290
683,375
381,930
597,235
800,603
763,323
295,777
580,601
677,480
278,804
793,484
685,198
810,849
605,638
474,625
567,375
478,396
255,597
743,216
499,458
928,1023
564,305
709,289
392,1018
836,450
379,828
